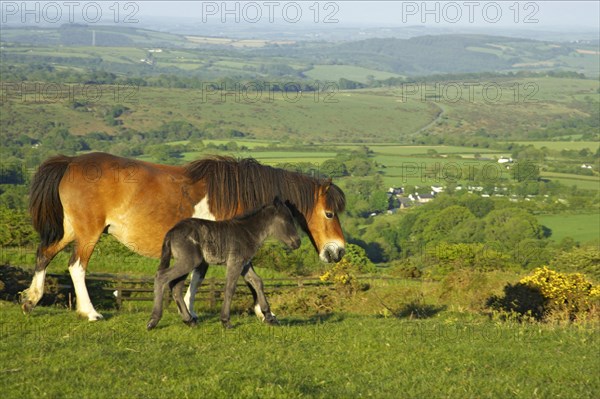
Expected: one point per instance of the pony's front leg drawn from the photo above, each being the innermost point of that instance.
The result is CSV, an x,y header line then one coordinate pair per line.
x,y
77,268
197,277
234,270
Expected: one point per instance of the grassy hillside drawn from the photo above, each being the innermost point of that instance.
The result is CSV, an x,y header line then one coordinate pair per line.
x,y
374,115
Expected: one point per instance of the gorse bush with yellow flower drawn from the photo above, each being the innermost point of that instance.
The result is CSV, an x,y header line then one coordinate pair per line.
x,y
550,295
564,292
343,274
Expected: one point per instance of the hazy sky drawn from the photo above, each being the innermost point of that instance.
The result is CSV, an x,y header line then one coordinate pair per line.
x,y
547,15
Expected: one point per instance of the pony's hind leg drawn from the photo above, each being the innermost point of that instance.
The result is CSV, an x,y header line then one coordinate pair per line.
x,y
34,293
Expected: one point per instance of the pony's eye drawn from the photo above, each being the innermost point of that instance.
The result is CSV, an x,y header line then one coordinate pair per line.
x,y
329,215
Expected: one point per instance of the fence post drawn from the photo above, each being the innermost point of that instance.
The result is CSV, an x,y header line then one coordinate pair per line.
x,y
119,292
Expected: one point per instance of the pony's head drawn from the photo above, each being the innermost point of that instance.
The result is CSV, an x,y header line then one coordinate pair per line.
x,y
323,223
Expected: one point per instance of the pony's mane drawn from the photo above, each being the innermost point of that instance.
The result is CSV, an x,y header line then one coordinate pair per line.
x,y
246,184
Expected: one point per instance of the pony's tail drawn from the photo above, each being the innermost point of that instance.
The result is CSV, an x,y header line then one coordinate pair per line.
x,y
165,256
45,206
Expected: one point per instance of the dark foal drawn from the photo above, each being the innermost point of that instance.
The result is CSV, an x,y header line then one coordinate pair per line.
x,y
194,243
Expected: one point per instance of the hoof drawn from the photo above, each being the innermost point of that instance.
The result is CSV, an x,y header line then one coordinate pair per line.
x,y
227,325
95,317
271,320
193,322
27,307
151,324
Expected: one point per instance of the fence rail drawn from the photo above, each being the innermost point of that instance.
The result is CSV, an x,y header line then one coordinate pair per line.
x,y
129,288
141,288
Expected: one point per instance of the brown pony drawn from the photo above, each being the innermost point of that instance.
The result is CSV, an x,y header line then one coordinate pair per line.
x,y
79,198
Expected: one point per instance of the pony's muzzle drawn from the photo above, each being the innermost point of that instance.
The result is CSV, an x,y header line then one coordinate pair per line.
x,y
332,253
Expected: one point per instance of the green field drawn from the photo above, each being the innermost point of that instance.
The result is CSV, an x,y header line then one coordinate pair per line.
x,y
580,181
52,353
581,228
563,145
357,74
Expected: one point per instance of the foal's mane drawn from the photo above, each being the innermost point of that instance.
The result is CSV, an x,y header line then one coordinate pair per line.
x,y
246,184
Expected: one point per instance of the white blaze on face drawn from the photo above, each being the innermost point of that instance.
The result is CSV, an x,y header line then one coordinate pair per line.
x,y
202,210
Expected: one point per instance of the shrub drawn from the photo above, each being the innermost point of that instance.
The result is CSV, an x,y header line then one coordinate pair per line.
x,y
550,295
343,274
584,260
565,292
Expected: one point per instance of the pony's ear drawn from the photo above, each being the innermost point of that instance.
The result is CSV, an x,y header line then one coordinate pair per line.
x,y
277,201
326,185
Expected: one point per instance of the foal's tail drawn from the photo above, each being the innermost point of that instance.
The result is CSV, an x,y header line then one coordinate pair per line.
x,y
45,206
165,256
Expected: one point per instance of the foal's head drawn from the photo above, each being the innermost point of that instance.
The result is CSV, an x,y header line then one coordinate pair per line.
x,y
282,225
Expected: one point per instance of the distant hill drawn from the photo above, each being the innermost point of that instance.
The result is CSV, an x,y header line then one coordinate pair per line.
x,y
220,57
445,54
86,35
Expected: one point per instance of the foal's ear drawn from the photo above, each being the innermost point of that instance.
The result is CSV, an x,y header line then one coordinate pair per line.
x,y
277,201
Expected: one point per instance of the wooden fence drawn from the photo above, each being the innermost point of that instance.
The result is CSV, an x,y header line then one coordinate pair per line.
x,y
128,288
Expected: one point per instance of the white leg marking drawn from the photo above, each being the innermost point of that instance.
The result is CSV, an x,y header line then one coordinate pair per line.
x,y
190,295
36,289
259,313
84,304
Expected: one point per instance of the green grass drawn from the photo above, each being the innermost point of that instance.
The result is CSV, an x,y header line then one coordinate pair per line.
x,y
52,353
570,179
581,228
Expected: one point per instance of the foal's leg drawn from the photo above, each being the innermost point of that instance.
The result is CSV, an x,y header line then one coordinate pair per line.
x,y
176,287
234,269
261,305
174,274
190,295
188,318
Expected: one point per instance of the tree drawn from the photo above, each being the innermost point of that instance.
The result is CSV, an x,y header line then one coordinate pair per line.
x,y
442,224
333,168
378,201
508,227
